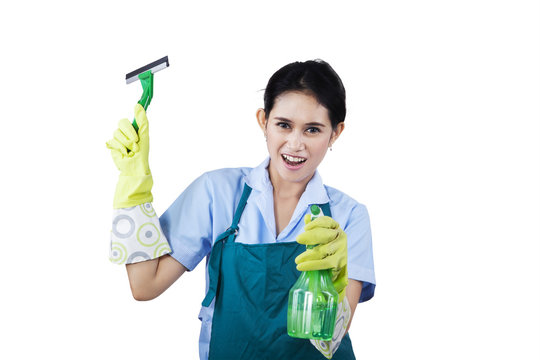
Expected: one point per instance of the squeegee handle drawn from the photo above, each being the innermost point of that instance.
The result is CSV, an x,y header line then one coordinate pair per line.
x,y
147,82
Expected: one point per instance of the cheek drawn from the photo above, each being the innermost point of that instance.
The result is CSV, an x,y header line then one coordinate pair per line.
x,y
272,144
319,147
274,140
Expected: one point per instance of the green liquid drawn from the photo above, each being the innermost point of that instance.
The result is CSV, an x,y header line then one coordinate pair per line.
x,y
312,307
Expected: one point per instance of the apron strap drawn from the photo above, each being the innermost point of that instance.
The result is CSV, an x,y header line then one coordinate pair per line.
x,y
238,213
214,263
326,209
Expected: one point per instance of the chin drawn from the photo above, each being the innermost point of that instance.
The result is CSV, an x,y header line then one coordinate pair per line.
x,y
289,174
296,176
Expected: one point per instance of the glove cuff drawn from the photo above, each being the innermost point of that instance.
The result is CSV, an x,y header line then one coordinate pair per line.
x,y
328,348
132,191
136,235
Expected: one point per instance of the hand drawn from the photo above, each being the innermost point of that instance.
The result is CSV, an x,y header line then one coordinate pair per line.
x,y
330,251
129,151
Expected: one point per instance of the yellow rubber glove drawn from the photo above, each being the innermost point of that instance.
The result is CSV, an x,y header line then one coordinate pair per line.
x,y
330,252
129,151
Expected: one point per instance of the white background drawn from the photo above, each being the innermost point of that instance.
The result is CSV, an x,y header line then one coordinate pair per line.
x,y
441,144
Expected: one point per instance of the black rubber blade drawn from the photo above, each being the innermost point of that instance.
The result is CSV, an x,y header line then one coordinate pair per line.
x,y
154,66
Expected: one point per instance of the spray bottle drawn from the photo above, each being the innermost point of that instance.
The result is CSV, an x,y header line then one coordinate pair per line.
x,y
313,300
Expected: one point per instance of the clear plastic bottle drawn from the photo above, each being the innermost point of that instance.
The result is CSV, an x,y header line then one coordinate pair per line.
x,y
312,307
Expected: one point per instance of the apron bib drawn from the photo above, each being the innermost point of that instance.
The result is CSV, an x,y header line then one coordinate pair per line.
x,y
250,284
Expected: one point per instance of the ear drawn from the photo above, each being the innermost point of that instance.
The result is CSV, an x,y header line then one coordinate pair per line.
x,y
261,119
335,133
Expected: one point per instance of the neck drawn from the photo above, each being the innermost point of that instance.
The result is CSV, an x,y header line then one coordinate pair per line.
x,y
287,189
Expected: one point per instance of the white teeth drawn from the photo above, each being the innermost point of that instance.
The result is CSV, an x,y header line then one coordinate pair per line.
x,y
293,159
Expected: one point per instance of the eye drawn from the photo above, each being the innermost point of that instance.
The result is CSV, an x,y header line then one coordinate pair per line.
x,y
313,130
283,125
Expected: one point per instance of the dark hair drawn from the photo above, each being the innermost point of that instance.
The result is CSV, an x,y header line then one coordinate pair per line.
x,y
314,77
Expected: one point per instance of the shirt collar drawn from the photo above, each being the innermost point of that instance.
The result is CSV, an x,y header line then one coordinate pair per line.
x,y
315,193
258,178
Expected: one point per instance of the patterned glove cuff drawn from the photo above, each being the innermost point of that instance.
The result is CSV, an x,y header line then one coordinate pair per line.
x,y
136,235
328,348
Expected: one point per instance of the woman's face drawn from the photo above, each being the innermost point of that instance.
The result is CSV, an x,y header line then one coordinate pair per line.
x,y
298,133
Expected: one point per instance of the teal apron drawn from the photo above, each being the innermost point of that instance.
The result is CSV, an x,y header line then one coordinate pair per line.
x,y
250,283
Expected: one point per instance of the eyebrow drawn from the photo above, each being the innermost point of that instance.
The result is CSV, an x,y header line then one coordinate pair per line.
x,y
313,123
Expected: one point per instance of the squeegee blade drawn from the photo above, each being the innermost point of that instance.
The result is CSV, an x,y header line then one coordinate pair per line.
x,y
154,67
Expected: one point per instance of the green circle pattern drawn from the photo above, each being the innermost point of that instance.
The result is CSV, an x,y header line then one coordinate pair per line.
x,y
156,231
122,251
161,249
324,348
150,212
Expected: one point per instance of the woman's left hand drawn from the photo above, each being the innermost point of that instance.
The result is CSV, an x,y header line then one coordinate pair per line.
x,y
330,251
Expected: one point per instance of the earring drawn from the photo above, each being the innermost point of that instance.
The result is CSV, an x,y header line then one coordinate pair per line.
x,y
330,147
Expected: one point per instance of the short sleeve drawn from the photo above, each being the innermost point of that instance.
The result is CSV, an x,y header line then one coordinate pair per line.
x,y
187,223
360,251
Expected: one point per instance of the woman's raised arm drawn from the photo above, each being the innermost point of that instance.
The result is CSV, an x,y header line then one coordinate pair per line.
x,y
149,279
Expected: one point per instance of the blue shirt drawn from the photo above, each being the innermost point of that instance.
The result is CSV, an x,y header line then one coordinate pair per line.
x,y
206,208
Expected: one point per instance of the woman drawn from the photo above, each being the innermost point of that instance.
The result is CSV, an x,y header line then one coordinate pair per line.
x,y
249,224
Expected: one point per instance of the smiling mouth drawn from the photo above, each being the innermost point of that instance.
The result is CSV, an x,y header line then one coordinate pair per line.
x,y
293,160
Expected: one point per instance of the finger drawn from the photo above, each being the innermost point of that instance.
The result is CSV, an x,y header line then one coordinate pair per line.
x,y
319,252
317,236
323,222
329,249
121,138
333,259
307,219
307,255
130,138
115,145
126,127
314,265
140,118
142,121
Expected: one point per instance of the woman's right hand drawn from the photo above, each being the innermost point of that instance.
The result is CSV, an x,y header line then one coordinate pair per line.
x,y
129,151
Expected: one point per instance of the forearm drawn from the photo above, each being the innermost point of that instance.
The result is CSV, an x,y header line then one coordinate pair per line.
x,y
354,290
149,279
141,278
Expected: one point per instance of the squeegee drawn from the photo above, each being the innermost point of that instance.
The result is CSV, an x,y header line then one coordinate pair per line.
x,y
146,75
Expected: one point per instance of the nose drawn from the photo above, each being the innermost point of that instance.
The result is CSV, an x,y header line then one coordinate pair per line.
x,y
295,141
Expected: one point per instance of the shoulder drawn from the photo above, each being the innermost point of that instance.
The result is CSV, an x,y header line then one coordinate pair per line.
x,y
225,184
212,184
226,175
345,208
226,178
339,198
